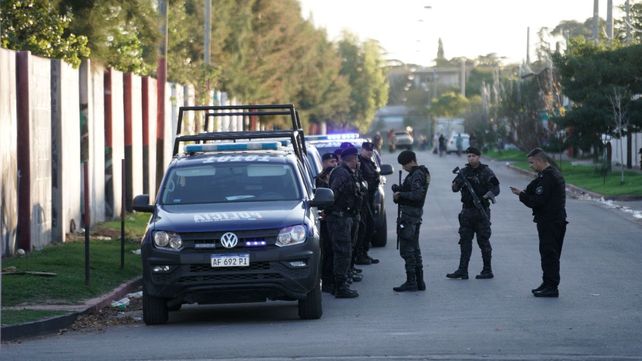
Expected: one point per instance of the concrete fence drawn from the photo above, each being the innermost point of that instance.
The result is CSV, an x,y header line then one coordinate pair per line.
x,y
53,118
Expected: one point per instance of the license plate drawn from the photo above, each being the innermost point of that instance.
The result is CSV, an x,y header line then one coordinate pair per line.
x,y
230,260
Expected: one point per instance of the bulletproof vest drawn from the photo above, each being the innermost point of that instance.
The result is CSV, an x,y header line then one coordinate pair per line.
x,y
369,173
418,175
479,179
346,191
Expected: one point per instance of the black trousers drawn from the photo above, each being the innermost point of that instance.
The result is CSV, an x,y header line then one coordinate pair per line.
x,y
551,238
366,230
472,222
327,255
408,231
340,228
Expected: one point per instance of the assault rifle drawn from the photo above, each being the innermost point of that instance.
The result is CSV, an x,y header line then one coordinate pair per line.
x,y
476,201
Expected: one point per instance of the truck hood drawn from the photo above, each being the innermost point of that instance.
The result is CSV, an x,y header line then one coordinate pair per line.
x,y
228,216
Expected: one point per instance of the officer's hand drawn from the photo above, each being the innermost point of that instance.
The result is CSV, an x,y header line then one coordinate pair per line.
x,y
396,196
395,188
515,191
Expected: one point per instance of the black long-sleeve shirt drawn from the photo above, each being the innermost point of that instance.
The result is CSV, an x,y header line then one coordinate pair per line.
x,y
546,195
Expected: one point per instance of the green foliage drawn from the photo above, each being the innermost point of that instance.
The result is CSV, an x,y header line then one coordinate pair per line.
x,y
122,34
590,74
449,104
635,15
16,317
35,25
362,65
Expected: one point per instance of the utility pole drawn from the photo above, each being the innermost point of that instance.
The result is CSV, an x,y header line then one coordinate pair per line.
x,y
207,41
627,8
161,75
528,45
609,20
462,77
596,20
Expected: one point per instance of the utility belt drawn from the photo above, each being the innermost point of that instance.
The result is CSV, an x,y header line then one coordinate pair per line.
x,y
472,206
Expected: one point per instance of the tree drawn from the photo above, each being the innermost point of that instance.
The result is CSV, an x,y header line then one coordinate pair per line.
x,y
635,29
36,25
122,34
363,66
449,104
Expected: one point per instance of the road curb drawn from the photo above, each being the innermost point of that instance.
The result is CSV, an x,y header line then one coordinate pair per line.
x,y
54,324
577,190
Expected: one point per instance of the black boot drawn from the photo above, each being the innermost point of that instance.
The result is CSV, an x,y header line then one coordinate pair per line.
x,y
362,260
342,289
487,271
462,271
410,285
421,285
541,287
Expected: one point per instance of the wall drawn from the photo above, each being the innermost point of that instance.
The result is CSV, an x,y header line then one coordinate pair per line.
x,y
8,153
65,128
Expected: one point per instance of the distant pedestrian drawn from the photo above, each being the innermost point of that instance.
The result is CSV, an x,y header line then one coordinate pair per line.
x,y
459,143
410,196
442,144
546,195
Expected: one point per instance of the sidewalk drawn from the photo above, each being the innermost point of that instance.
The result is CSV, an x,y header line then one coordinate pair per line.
x,y
54,324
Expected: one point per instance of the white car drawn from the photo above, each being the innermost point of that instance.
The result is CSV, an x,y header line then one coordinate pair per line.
x,y
451,146
403,140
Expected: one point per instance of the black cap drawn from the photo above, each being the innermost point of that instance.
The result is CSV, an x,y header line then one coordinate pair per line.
x,y
367,146
473,150
338,151
345,145
406,157
346,152
327,156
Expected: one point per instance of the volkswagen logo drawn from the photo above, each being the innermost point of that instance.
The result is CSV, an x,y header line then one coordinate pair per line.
x,y
229,240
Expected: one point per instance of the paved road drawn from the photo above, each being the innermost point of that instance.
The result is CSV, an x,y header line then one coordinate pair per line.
x,y
597,317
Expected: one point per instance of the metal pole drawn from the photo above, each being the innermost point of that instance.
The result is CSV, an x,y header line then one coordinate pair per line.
x,y
528,45
596,19
609,20
627,8
123,212
161,73
207,46
87,222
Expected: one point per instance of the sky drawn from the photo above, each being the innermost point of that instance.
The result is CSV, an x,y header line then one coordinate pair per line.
x,y
409,32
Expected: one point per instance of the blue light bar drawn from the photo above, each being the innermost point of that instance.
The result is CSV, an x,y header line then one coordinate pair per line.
x,y
255,243
219,147
339,136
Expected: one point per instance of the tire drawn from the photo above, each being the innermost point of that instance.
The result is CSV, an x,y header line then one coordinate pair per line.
x,y
310,308
381,235
155,310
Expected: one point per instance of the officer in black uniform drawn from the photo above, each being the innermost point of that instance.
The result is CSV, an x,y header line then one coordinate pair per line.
x,y
340,223
472,219
546,195
410,197
370,174
323,181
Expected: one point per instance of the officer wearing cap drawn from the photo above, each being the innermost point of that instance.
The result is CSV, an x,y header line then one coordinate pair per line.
x,y
471,219
330,161
370,174
410,197
340,221
546,196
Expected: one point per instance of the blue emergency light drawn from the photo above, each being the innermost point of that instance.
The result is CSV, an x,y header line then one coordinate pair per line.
x,y
338,136
220,147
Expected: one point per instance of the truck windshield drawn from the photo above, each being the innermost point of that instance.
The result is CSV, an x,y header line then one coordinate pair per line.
x,y
230,182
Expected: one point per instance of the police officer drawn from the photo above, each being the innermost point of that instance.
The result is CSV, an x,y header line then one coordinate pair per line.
x,y
340,222
546,195
410,197
472,219
323,181
370,174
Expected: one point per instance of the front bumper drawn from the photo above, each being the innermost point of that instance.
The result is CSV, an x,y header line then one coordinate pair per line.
x,y
191,279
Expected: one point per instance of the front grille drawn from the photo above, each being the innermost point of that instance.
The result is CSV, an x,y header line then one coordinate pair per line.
x,y
230,277
206,239
256,266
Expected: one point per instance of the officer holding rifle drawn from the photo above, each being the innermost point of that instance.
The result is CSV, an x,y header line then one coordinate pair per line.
x,y
478,186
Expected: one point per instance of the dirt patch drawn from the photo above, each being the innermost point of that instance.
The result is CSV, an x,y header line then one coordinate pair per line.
x,y
109,316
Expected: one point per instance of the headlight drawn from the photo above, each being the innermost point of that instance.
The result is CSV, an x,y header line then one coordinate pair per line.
x,y
164,239
291,235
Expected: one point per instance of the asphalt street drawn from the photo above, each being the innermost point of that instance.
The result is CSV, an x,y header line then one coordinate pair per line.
x,y
597,317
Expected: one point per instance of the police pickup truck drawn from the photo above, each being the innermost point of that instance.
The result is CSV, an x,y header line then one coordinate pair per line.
x,y
235,220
